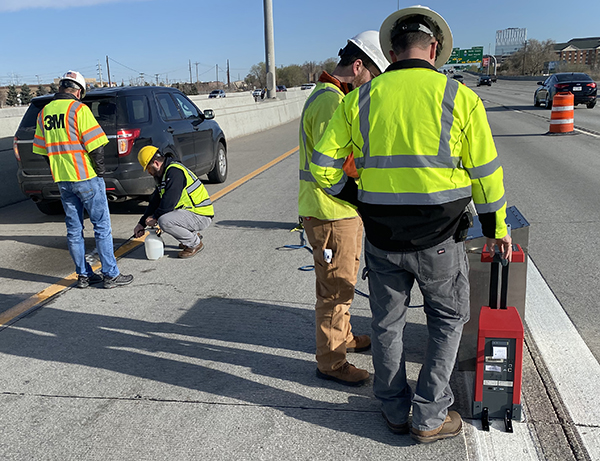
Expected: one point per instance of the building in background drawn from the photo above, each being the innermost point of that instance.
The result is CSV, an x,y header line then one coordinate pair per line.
x,y
509,41
580,51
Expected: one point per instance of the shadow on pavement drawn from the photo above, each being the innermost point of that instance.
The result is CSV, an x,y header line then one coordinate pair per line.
x,y
217,347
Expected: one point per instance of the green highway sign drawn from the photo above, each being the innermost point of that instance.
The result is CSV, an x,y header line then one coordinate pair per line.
x,y
458,56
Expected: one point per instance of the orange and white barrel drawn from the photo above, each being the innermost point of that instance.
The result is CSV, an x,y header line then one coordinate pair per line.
x,y
563,113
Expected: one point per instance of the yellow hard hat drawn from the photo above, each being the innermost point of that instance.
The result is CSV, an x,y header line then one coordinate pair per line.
x,y
145,155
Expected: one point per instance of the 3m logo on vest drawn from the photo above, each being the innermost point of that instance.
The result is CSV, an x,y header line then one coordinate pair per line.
x,y
54,121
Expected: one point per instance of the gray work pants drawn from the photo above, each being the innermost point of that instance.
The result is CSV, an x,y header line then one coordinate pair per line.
x,y
443,277
184,226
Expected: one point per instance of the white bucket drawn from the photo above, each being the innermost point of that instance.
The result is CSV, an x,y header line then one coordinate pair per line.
x,y
155,247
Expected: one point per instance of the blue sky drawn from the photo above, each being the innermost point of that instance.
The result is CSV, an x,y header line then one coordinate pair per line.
x,y
41,40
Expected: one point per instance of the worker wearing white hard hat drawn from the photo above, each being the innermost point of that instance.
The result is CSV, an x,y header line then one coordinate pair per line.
x,y
423,149
75,80
334,228
69,136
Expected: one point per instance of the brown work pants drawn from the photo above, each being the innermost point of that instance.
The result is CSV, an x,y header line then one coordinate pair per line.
x,y
335,284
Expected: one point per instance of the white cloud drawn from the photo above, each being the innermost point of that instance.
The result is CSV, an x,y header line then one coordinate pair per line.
x,y
16,5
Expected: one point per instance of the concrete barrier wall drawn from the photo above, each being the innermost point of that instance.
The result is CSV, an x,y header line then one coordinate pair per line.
x,y
237,114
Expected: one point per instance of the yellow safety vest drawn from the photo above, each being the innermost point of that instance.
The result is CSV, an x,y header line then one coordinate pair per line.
x,y
312,200
418,138
194,196
66,131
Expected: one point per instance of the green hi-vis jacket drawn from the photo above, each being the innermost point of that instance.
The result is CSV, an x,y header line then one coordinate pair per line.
x,y
418,138
194,196
66,131
312,200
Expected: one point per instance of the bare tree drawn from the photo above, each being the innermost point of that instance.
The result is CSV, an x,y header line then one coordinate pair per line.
x,y
530,59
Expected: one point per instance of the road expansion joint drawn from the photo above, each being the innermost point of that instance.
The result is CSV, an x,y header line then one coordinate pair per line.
x,y
564,419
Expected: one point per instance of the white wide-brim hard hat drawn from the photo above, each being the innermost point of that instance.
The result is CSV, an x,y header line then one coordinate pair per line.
x,y
443,32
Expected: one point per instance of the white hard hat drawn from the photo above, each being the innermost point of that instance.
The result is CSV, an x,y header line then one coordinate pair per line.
x,y
368,42
77,78
442,32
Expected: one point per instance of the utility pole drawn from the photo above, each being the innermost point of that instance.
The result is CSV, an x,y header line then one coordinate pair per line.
x,y
108,72
217,67
228,77
38,77
269,48
156,75
190,61
196,63
99,72
142,78
524,54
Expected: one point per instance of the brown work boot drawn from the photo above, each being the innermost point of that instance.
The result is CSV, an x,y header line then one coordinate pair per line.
x,y
403,428
188,252
451,428
359,344
347,374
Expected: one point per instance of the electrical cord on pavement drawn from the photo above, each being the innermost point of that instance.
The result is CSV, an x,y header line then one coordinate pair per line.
x,y
311,267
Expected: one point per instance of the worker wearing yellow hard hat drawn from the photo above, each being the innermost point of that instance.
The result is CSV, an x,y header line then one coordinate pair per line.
x,y
180,205
423,149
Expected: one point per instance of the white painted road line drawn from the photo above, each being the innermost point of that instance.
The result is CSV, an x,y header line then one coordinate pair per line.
x,y
573,368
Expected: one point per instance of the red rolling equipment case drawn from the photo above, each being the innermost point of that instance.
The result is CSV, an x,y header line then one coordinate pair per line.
x,y
499,368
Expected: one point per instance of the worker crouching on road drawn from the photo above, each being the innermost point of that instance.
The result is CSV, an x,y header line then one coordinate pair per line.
x,y
423,148
71,139
333,227
180,205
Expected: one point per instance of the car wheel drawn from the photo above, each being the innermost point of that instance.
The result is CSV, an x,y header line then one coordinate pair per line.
x,y
50,207
219,172
548,101
536,103
590,105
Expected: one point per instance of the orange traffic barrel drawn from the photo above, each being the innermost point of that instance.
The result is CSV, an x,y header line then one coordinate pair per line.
x,y
562,116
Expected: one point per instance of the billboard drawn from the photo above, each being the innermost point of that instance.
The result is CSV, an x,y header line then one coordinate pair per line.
x,y
470,56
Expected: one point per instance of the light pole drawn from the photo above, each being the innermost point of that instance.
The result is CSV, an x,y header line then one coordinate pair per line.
x,y
269,49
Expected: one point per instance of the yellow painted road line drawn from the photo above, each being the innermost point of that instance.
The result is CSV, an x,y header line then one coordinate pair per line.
x,y
39,299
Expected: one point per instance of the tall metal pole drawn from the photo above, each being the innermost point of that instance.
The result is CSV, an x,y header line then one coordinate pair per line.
x,y
108,72
270,49
190,63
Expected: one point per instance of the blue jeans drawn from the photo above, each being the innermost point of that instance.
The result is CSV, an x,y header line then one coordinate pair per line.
x,y
91,196
442,273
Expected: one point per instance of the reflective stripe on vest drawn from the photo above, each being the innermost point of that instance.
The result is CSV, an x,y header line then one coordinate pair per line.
x,y
194,197
444,157
312,97
57,136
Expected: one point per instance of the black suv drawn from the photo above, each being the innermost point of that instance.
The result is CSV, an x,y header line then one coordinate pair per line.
x,y
132,117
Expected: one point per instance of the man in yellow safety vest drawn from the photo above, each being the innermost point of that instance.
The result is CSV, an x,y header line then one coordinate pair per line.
x,y
180,205
334,228
423,148
69,136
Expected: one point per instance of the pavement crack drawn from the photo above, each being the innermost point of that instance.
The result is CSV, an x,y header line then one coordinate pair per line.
x,y
140,398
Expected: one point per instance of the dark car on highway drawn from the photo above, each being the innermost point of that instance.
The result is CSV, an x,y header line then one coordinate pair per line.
x,y
131,117
485,80
458,77
582,86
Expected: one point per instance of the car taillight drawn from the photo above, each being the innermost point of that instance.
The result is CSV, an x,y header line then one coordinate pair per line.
x,y
125,140
16,149
561,86
593,84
